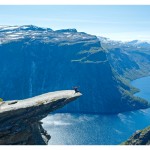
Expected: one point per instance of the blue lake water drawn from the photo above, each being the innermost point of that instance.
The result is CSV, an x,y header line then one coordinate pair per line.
x,y
83,129
144,85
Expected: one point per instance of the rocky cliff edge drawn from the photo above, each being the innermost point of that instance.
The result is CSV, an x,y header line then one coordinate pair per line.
x,y
20,119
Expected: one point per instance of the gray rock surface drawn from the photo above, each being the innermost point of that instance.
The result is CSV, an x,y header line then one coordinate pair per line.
x,y
20,119
140,137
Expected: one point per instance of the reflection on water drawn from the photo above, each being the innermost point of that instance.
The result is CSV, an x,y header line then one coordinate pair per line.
x,y
94,129
97,129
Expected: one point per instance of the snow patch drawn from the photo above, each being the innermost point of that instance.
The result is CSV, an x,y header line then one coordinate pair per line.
x,y
9,28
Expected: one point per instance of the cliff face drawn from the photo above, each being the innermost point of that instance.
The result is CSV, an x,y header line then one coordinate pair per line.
x,y
140,137
36,60
20,119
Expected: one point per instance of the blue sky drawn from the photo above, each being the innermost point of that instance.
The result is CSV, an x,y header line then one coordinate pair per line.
x,y
115,22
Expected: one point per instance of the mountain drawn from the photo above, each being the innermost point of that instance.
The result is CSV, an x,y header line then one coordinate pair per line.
x,y
134,44
139,44
37,60
129,59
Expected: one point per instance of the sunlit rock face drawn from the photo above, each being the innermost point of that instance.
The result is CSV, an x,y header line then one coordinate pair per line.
x,y
36,60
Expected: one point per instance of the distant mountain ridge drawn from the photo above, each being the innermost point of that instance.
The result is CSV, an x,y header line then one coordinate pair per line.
x,y
129,59
133,43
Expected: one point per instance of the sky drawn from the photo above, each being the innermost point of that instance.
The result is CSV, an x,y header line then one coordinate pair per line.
x,y
124,22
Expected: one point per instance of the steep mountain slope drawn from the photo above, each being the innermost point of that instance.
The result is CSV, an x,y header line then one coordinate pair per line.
x,y
129,59
36,60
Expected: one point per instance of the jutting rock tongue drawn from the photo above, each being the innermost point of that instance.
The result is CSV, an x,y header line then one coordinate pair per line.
x,y
20,119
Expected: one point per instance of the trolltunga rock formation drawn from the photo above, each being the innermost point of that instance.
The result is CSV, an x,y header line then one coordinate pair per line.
x,y
20,119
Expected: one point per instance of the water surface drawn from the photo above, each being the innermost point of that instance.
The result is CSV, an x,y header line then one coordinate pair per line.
x,y
144,85
83,129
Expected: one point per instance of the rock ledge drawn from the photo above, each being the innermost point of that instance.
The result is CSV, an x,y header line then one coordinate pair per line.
x,y
20,119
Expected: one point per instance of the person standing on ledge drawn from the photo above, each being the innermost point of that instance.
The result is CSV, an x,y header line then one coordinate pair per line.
x,y
76,89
